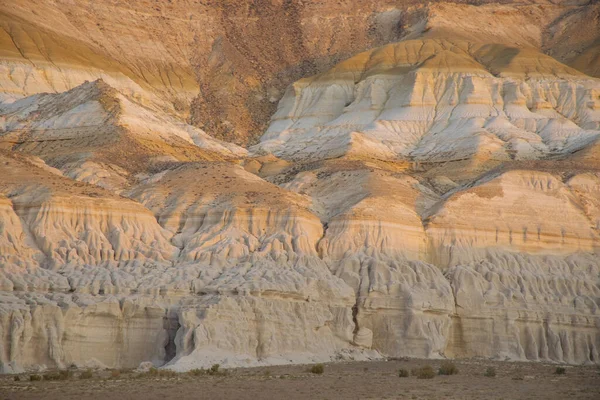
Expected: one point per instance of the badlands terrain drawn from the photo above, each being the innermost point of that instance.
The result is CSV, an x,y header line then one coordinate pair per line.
x,y
253,183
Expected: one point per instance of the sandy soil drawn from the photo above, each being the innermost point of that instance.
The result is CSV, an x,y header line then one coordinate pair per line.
x,y
358,380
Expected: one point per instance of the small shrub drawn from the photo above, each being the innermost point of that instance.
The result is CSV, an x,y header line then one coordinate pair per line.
x,y
490,372
167,373
51,376
115,373
267,373
87,374
65,374
403,373
560,371
215,370
34,378
161,372
17,378
425,372
317,369
197,372
448,368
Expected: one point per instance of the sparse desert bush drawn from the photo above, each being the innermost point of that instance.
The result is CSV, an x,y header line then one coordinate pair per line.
x,y
197,372
167,373
448,368
34,378
161,372
65,374
403,373
115,373
490,372
425,372
53,376
17,378
214,370
560,371
317,369
87,374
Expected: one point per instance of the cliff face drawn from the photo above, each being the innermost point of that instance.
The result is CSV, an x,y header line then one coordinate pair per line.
x,y
224,65
435,101
435,196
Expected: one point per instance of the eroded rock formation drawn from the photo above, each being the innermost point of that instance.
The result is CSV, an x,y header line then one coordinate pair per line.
x,y
438,196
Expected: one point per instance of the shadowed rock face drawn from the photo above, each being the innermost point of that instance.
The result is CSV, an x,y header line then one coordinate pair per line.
x,y
437,196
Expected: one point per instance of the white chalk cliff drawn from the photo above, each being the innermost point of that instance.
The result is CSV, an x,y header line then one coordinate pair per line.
x,y
435,197
434,100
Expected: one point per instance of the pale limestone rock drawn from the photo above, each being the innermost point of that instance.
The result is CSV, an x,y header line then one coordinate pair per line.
x,y
247,267
403,307
60,330
429,198
524,300
527,308
521,294
437,101
85,131
531,212
273,332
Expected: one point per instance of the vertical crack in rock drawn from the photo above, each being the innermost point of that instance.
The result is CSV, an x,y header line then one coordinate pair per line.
x,y
357,304
355,307
448,277
171,326
354,316
318,242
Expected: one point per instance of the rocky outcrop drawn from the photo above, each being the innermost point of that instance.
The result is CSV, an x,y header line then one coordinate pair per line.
x,y
98,270
434,197
494,271
241,272
226,64
95,134
434,101
63,330
474,220
524,281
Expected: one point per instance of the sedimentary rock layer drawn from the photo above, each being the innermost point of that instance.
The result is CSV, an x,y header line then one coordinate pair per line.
x,y
435,197
95,134
241,255
435,101
226,64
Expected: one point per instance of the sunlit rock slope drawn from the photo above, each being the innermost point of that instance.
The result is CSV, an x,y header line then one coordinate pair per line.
x,y
429,187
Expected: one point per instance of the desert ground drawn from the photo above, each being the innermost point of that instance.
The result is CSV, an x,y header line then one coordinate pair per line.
x,y
348,380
